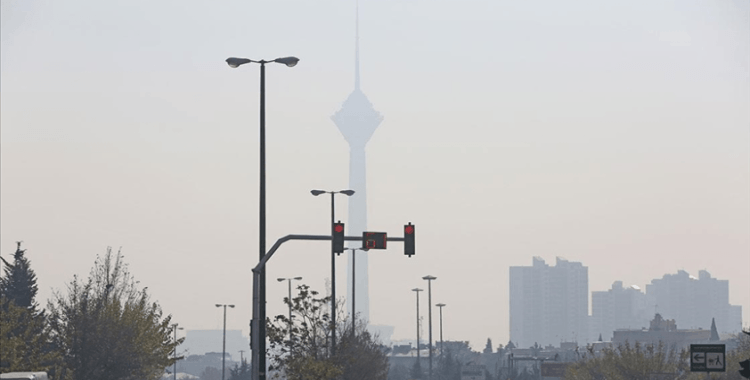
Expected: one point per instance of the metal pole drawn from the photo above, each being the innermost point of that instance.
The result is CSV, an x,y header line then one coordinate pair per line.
x,y
174,368
354,291
224,345
429,319
417,290
442,350
333,278
441,331
262,226
255,323
289,280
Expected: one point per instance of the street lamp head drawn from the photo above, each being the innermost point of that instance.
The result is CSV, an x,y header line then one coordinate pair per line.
x,y
417,290
298,278
232,306
280,279
217,305
288,61
347,192
317,192
440,305
234,62
428,277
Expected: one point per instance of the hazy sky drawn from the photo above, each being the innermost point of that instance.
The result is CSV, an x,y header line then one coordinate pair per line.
x,y
612,133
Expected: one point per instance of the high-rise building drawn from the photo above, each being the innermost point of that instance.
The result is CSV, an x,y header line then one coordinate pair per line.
x,y
549,304
618,308
693,302
357,121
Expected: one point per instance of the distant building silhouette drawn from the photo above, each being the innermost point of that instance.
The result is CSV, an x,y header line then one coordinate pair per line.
x,y
694,302
618,308
548,304
662,331
200,342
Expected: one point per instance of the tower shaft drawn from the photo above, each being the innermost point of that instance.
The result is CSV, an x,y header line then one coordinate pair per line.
x,y
357,223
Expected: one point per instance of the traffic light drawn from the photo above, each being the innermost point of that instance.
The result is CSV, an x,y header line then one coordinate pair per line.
x,y
338,237
409,240
745,371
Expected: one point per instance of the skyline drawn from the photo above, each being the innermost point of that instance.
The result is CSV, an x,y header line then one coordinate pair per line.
x,y
602,133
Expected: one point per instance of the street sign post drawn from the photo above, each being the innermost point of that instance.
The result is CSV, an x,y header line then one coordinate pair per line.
x,y
708,358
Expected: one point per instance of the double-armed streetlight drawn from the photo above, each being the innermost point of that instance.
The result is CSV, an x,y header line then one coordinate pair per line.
x,y
333,259
259,364
224,342
429,316
289,281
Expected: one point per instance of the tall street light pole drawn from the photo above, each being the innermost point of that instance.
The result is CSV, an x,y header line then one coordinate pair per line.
x,y
259,358
429,316
440,305
333,260
354,288
417,290
289,280
174,369
224,343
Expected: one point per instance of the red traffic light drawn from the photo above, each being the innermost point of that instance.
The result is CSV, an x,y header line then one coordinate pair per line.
x,y
409,235
338,227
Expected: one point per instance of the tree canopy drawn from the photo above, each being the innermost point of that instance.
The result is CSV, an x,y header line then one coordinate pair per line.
x,y
308,355
107,328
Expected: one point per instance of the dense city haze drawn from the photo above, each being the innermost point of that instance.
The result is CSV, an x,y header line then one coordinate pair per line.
x,y
611,134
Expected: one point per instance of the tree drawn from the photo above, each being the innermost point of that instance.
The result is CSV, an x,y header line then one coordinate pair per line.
x,y
416,371
488,347
19,283
24,340
107,328
398,372
240,371
360,355
308,355
24,336
630,362
211,373
448,367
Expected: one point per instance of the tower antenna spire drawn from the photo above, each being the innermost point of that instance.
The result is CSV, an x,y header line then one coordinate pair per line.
x,y
356,48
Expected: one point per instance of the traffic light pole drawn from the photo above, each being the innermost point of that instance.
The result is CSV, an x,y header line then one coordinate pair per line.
x,y
258,354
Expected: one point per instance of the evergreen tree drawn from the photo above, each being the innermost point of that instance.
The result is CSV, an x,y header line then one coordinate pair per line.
x,y
240,371
24,340
18,285
488,347
24,335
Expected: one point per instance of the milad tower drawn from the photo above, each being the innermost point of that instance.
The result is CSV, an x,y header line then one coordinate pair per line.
x,y
357,121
